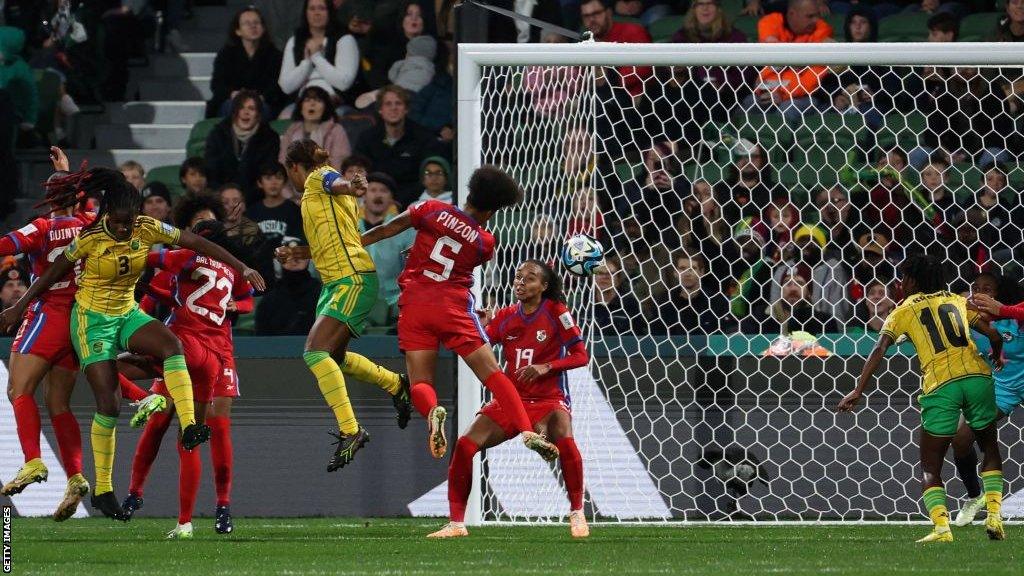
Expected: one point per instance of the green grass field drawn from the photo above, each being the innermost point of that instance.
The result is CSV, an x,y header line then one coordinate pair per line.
x,y
356,546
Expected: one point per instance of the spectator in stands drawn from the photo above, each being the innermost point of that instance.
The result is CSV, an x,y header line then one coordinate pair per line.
x,y
134,173
319,54
585,217
1011,26
750,273
10,183
240,144
388,255
943,27
236,225
289,308
939,206
870,313
398,145
389,42
872,263
967,254
790,89
692,305
703,229
865,90
432,106
706,21
416,70
646,11
284,17
807,256
658,191
314,118
793,311
888,203
249,60
748,184
126,24
192,175
838,219
436,171
156,201
17,78
936,7
640,261
13,284
616,310
275,216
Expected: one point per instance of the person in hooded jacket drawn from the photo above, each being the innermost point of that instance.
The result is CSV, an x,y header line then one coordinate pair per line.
x,y
289,308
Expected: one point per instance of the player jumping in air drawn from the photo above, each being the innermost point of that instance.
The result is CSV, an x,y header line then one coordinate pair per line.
x,y
989,290
437,307
42,349
203,292
105,318
956,381
541,342
330,223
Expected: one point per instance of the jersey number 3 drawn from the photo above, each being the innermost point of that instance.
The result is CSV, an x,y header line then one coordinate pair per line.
x,y
441,259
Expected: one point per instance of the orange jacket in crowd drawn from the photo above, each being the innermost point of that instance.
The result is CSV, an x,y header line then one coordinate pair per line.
x,y
794,83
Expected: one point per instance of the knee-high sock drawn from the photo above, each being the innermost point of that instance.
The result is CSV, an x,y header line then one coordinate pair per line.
x,y
572,471
460,478
129,389
221,456
993,480
935,503
26,416
69,442
188,482
505,393
147,449
179,386
967,470
424,398
361,367
104,442
332,385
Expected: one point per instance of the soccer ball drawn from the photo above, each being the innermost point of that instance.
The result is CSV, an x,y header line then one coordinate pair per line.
x,y
582,254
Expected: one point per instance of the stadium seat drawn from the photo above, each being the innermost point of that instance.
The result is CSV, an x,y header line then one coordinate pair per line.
x,y
662,29
747,25
768,130
196,145
903,28
246,323
838,24
902,130
732,8
48,86
168,176
963,180
710,172
280,126
979,27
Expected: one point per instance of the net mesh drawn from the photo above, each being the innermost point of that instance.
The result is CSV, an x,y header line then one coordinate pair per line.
x,y
751,235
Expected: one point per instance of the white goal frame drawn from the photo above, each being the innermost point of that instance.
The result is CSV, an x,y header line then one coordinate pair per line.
x,y
473,57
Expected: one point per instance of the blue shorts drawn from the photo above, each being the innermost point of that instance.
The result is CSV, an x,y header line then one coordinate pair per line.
x,y
1009,396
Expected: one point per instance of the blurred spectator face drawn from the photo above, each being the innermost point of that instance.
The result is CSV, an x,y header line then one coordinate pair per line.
x,y
358,26
810,250
750,166
936,35
317,14
250,26
985,285
234,204
194,181
204,214
576,150
706,11
662,166
248,115
702,190
12,290
412,22
794,289
392,108
271,185
596,17
860,29
353,171
689,271
781,218
584,204
434,180
607,277
135,177
1015,10
378,199
156,207
313,107
542,230
834,206
802,16
995,182
933,177
878,302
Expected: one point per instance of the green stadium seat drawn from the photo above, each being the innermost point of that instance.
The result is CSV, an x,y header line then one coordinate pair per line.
x,y
246,323
838,24
904,28
902,130
168,176
979,27
48,85
770,131
196,145
732,8
662,29
280,126
963,180
747,25
711,172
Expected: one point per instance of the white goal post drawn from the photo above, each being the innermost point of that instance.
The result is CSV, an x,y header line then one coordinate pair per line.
x,y
703,422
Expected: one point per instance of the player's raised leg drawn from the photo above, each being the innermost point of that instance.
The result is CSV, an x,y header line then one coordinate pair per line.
x,y
396,385
26,371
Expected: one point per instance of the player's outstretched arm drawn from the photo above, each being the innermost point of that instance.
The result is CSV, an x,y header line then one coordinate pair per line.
x,y
60,268
394,226
355,187
994,308
994,338
285,253
207,248
849,403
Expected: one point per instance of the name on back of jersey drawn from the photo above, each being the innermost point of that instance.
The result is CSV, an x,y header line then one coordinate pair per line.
x,y
458,227
215,264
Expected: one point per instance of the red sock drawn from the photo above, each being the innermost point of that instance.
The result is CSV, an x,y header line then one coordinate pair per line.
x,y
424,398
130,390
69,441
508,398
146,450
188,481
221,456
26,417
572,471
460,478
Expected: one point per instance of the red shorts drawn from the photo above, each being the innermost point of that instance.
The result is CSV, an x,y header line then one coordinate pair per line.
x,y
46,332
536,410
448,321
211,371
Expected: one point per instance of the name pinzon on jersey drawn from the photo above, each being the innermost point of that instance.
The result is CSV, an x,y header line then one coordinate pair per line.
x,y
460,228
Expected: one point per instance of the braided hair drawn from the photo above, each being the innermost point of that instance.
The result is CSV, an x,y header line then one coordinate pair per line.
x,y
107,185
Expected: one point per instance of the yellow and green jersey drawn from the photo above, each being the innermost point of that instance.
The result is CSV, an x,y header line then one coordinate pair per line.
x,y
939,326
106,283
331,225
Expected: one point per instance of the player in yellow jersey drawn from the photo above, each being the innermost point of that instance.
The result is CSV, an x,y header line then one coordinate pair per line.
x,y
330,222
957,380
105,317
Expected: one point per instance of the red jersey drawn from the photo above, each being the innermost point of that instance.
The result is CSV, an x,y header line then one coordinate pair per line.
x,y
200,288
540,338
449,245
42,241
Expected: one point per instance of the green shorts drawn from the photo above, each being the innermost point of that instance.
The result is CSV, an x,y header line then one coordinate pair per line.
x,y
97,336
349,300
974,396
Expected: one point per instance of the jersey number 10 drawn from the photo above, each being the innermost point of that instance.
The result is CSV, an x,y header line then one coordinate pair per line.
x,y
952,326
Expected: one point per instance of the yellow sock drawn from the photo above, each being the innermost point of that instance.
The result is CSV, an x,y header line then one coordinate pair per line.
x,y
935,502
361,367
103,444
179,386
992,480
332,385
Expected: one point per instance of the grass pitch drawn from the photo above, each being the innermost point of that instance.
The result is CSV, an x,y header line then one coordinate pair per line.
x,y
397,546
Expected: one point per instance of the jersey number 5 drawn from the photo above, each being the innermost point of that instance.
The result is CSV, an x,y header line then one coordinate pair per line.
x,y
441,259
952,327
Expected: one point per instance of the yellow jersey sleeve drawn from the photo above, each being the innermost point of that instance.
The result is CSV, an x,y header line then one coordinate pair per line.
x,y
153,231
81,246
894,325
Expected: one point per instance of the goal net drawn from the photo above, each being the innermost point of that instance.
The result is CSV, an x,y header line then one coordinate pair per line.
x,y
753,202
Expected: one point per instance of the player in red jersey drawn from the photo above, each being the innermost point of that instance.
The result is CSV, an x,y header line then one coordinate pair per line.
x,y
540,342
437,307
42,349
202,293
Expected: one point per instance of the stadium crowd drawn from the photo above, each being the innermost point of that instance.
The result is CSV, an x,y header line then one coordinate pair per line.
x,y
372,83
